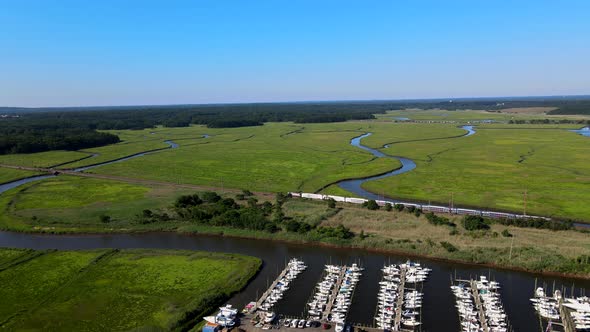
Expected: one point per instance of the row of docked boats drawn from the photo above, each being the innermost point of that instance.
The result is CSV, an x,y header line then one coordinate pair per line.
x,y
495,319
390,289
343,298
579,309
323,292
466,307
548,308
495,315
294,268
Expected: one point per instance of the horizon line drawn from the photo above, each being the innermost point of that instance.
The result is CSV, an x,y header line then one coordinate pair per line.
x,y
450,99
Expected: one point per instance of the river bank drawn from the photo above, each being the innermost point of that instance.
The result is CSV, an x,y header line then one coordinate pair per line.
x,y
416,238
438,312
117,289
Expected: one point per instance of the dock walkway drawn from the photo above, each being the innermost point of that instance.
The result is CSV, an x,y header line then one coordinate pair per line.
x,y
482,315
332,297
267,292
400,301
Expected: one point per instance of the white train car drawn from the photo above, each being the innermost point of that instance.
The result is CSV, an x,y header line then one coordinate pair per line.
x,y
468,212
435,208
336,198
355,200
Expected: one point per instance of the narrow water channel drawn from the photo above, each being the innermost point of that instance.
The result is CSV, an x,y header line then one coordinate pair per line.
x,y
584,131
438,313
10,185
355,186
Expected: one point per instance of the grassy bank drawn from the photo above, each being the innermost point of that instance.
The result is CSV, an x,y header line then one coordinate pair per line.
x,y
109,290
9,174
538,250
493,169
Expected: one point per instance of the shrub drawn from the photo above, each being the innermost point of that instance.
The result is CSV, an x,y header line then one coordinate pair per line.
x,y
454,231
399,207
372,205
417,213
331,203
104,218
211,197
506,233
187,200
437,220
473,223
449,247
388,207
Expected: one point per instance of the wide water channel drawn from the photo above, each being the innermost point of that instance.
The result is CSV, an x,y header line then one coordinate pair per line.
x,y
438,313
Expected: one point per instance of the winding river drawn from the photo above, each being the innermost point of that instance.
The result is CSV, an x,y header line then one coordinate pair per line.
x,y
7,186
584,131
439,308
355,186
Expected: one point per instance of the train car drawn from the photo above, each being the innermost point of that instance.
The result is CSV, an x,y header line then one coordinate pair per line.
x,y
312,196
336,198
468,212
356,200
434,208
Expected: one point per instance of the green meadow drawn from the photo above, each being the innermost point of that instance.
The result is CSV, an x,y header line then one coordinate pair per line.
x,y
41,159
491,169
494,168
116,290
70,204
273,157
11,174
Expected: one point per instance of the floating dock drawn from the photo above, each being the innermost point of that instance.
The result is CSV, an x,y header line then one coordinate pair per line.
x,y
481,311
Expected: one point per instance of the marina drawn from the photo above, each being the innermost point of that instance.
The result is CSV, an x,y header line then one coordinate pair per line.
x,y
560,313
479,305
438,312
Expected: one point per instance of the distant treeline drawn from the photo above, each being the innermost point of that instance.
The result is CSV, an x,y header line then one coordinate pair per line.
x,y
43,129
22,140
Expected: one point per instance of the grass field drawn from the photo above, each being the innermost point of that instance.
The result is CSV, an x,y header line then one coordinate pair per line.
x,y
69,203
493,169
41,159
273,157
107,290
10,174
439,115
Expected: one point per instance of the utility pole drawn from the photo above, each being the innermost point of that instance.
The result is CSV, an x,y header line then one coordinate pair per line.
x,y
524,210
511,244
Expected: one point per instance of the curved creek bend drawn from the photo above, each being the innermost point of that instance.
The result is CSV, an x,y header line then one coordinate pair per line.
x,y
355,186
438,312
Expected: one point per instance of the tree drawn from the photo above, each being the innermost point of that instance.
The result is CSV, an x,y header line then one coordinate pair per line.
x,y
331,203
278,214
372,205
104,218
252,202
473,223
211,197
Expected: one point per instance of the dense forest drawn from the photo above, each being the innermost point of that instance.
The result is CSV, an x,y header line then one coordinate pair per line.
x,y
25,130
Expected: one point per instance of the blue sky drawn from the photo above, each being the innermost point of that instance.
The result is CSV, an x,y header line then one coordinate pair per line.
x,y
71,53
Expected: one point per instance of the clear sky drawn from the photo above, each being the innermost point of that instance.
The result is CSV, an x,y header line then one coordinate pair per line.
x,y
124,52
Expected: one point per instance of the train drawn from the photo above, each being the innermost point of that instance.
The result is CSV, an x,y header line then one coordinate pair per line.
x,y
423,207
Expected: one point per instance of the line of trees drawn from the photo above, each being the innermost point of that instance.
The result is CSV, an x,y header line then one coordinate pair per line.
x,y
23,140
